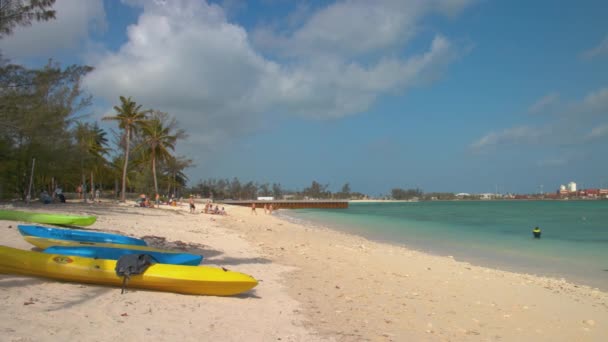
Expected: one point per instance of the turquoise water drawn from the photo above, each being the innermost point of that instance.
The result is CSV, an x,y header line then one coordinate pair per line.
x,y
574,243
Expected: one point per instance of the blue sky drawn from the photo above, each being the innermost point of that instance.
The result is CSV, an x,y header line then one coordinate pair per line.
x,y
445,95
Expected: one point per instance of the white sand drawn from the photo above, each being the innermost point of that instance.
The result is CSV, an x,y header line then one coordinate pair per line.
x,y
315,284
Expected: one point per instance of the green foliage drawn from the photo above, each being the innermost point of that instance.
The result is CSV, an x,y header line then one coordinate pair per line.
x,y
173,169
277,191
317,191
160,134
401,194
39,118
344,193
15,13
439,196
37,107
236,190
130,119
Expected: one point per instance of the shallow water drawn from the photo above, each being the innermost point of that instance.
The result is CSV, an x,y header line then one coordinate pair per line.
x,y
574,243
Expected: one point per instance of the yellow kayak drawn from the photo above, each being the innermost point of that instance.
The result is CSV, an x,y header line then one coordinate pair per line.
x,y
44,243
198,280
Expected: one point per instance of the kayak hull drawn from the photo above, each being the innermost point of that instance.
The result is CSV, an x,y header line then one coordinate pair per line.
x,y
195,280
44,243
47,218
78,235
112,253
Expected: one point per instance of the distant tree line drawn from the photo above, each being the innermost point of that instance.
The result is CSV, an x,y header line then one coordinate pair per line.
x,y
418,194
238,190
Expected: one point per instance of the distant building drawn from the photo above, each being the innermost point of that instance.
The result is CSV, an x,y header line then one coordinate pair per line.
x,y
572,187
268,198
486,196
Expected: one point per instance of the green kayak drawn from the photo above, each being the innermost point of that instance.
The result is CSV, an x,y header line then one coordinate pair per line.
x,y
47,218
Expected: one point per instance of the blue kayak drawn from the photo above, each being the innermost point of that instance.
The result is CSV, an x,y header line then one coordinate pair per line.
x,y
112,253
79,235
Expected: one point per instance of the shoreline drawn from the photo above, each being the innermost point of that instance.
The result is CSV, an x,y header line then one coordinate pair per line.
x,y
315,284
497,262
352,276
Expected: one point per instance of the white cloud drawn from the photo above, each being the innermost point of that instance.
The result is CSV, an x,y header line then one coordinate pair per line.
x,y
575,124
74,20
598,51
598,132
188,59
553,162
348,28
513,135
596,101
544,103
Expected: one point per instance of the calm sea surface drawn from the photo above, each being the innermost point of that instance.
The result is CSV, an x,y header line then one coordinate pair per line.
x,y
574,243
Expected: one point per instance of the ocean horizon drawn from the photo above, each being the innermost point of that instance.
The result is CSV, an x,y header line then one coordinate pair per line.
x,y
497,234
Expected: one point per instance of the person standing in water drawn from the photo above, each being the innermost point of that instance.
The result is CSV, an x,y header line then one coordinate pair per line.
x,y
536,232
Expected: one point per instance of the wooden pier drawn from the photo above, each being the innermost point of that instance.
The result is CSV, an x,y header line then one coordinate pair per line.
x,y
288,204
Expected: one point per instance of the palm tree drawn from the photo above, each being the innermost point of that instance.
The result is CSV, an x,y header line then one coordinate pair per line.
x,y
174,167
160,134
130,117
92,145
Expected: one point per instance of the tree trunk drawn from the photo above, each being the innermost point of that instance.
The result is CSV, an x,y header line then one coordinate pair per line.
x,y
81,178
124,168
154,173
92,188
174,186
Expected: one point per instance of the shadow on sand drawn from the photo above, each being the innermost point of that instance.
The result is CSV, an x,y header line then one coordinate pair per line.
x,y
211,256
18,281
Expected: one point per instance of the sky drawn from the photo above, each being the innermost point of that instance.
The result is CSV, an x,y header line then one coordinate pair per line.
x,y
442,95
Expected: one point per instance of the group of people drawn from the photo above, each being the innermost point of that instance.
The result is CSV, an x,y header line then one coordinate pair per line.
x,y
268,208
81,190
46,198
144,201
209,209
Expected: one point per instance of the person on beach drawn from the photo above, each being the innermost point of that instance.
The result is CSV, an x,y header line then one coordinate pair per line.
x,y
84,192
536,232
142,200
265,208
97,195
59,194
79,192
270,209
191,202
157,200
253,209
45,197
223,211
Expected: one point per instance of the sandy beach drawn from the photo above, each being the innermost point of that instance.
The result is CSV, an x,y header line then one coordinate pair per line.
x,y
315,284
